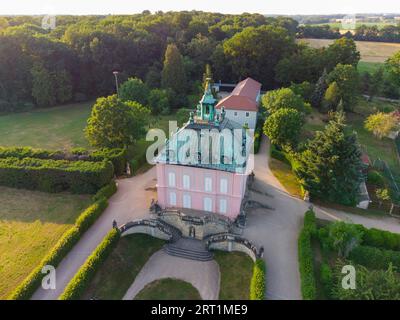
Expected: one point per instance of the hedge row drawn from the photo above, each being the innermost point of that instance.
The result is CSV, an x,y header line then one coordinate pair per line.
x,y
306,257
82,278
327,279
257,284
32,282
106,192
381,239
55,175
117,156
375,258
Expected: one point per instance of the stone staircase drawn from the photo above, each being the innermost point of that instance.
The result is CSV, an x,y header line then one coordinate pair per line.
x,y
187,248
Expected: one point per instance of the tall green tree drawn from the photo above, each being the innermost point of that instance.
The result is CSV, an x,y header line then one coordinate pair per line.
x,y
392,66
134,90
332,97
115,123
283,98
255,52
343,51
173,73
346,78
283,127
319,91
330,168
43,89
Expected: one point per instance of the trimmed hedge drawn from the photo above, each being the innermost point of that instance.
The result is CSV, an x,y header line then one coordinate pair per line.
x,y
327,279
55,175
82,278
381,239
306,258
28,152
117,156
90,215
257,284
106,192
32,282
375,258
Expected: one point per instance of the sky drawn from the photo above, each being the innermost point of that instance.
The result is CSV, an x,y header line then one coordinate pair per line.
x,y
224,6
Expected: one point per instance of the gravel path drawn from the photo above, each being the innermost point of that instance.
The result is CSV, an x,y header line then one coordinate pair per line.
x,y
131,202
204,276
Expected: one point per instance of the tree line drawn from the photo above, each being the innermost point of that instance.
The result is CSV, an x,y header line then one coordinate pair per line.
x,y
387,33
74,62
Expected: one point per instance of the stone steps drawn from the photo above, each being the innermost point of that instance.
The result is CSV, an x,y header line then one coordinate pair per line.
x,y
187,253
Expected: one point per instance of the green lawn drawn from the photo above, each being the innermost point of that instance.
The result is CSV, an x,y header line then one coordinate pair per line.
x,y
286,177
236,270
384,149
369,67
120,269
168,289
31,223
54,128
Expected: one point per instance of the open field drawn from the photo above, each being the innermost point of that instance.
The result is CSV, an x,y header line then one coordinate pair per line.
x,y
370,67
338,25
236,271
168,289
56,128
31,223
370,51
61,128
125,261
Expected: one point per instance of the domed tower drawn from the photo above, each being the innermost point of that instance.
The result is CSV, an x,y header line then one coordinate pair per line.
x,y
206,106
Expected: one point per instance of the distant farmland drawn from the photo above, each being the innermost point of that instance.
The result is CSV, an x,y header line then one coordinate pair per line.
x,y
370,51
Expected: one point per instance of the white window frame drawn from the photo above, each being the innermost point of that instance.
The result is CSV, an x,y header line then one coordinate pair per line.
x,y
187,201
207,184
186,181
247,114
172,198
235,113
207,204
171,179
223,206
223,185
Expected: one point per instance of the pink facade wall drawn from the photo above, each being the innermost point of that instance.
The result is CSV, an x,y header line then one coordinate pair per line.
x,y
236,187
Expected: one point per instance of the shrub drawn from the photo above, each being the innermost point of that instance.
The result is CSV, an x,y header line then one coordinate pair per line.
x,y
310,223
375,178
381,239
257,284
106,192
90,215
307,277
77,286
279,155
32,282
117,156
55,175
28,152
326,279
306,258
375,258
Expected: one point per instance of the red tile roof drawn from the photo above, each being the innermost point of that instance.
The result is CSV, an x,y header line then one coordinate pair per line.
x,y
243,97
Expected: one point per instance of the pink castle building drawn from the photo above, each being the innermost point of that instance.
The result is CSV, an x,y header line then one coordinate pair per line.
x,y
210,182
